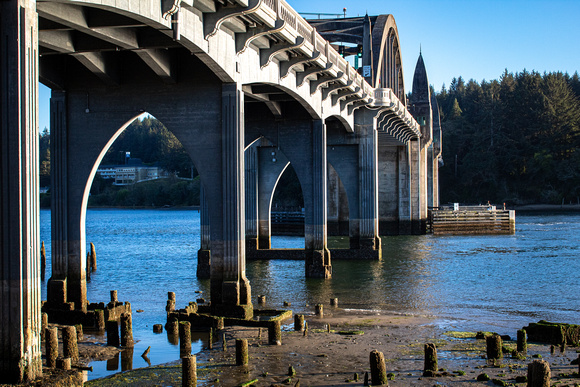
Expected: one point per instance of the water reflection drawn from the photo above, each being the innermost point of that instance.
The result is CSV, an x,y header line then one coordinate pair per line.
x,y
495,283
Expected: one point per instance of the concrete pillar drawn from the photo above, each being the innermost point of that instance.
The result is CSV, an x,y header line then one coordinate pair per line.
x,y
404,184
58,213
368,181
230,289
204,253
317,253
416,189
20,321
430,185
251,187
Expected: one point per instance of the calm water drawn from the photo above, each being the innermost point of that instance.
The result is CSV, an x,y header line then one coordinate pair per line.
x,y
495,283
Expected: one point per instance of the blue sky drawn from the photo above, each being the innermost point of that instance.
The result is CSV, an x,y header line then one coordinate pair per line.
x,y
476,39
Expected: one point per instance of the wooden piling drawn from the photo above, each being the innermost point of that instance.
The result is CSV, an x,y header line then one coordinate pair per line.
x,y
224,343
274,333
241,352
69,343
430,366
188,371
51,346
298,322
126,330
494,344
63,363
114,298
157,328
185,338
44,325
100,320
112,333
539,374
261,300
378,368
334,302
88,267
170,307
319,310
42,261
522,343
80,335
93,258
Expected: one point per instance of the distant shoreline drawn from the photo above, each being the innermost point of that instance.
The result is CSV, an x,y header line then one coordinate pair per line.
x,y
548,207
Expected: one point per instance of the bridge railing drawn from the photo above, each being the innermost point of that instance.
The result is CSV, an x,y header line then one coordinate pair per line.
x,y
315,41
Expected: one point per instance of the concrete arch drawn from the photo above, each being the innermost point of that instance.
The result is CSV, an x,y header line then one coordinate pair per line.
x,y
269,93
387,59
348,128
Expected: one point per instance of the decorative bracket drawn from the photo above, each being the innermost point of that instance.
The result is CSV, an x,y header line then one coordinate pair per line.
x,y
343,94
267,54
286,65
213,21
329,89
301,76
315,84
243,39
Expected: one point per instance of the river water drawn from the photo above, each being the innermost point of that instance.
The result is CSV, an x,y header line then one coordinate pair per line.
x,y
492,283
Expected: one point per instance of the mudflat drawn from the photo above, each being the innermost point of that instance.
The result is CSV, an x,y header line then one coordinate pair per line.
x,y
335,351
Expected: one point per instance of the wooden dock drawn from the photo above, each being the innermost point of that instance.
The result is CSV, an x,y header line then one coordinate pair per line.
x,y
471,220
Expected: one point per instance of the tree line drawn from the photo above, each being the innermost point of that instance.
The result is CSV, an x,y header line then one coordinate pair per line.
x,y
514,140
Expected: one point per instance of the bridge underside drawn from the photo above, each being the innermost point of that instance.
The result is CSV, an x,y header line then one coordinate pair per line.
x,y
239,86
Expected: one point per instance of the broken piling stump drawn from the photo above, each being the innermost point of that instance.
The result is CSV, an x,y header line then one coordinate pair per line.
x,y
51,346
126,330
113,333
334,302
319,310
69,343
63,363
44,325
80,335
274,333
100,320
170,307
539,374
185,338
298,322
188,371
378,368
42,261
430,367
522,343
93,258
157,328
261,300
241,352
494,344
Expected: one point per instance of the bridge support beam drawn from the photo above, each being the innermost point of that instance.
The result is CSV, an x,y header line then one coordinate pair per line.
x,y
20,323
251,186
369,241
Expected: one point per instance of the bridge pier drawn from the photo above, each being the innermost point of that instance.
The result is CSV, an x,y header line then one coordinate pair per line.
x,y
20,322
204,252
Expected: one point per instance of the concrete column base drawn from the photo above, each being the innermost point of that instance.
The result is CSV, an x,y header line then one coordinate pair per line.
x,y
318,264
56,292
264,242
236,300
203,263
251,248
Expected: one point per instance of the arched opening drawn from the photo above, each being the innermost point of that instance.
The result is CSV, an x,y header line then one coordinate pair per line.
x,y
146,231
287,211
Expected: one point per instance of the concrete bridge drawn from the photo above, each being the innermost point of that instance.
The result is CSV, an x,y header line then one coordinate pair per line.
x,y
247,86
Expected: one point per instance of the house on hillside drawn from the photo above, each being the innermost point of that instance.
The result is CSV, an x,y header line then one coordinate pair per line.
x,y
131,173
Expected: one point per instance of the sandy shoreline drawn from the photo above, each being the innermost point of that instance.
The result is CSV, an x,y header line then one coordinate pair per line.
x,y
323,358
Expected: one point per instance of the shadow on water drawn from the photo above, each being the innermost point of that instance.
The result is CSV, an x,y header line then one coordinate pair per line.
x,y
494,283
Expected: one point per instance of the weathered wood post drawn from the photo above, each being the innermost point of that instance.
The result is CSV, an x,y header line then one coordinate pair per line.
x,y
430,360
299,322
126,330
539,374
114,298
80,334
51,346
42,261
44,325
93,258
261,300
334,302
112,333
378,368
189,371
69,343
494,344
274,333
63,363
522,344
319,310
185,338
100,320
170,307
241,352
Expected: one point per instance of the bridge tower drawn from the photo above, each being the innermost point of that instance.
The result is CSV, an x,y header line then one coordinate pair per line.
x,y
422,110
